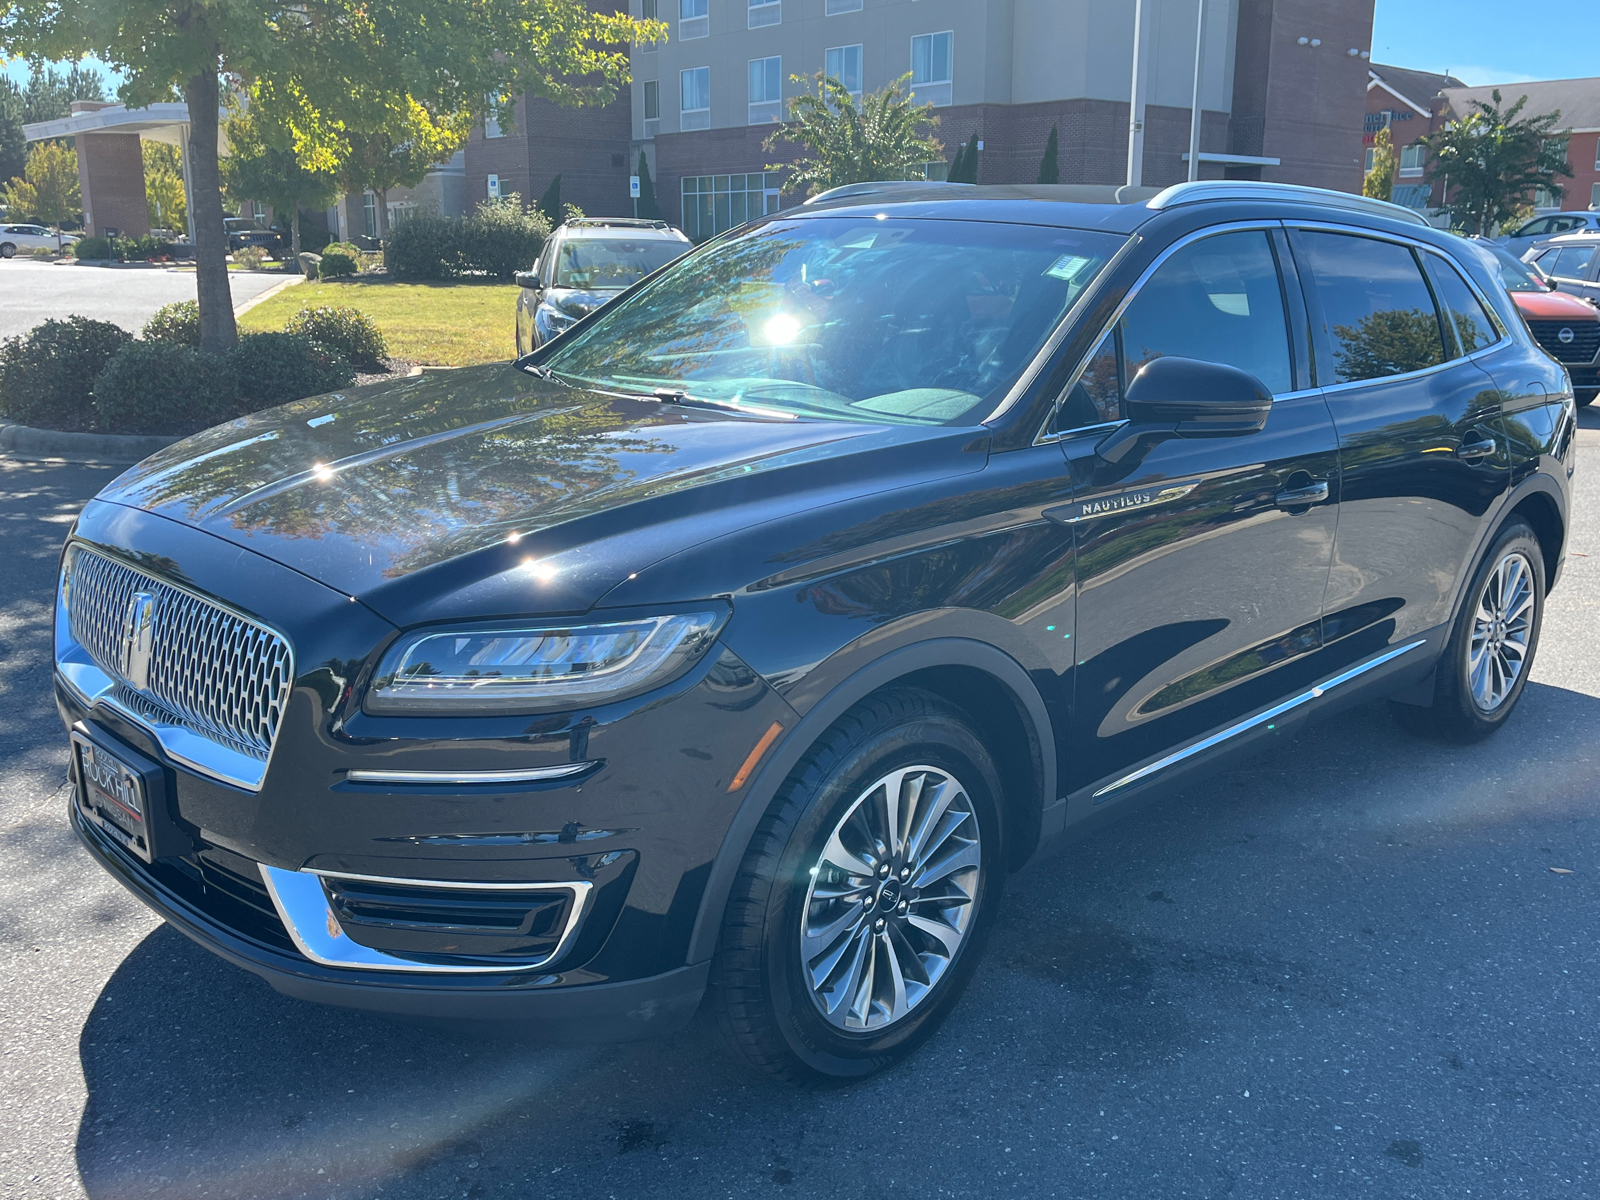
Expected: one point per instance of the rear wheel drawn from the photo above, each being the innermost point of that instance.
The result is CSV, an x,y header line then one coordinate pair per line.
x,y
1485,665
7,250
866,895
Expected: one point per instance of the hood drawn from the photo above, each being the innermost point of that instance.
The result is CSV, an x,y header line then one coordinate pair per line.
x,y
402,492
577,302
1554,306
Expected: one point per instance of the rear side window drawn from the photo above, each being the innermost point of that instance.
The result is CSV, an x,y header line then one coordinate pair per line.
x,y
1377,316
1473,328
1569,262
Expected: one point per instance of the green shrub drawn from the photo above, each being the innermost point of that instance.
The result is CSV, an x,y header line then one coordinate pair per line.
x,y
275,368
424,246
47,374
348,330
92,248
498,240
178,323
336,266
349,248
501,238
161,387
42,252
251,258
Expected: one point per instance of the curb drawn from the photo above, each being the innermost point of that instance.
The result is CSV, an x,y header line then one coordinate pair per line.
x,y
117,449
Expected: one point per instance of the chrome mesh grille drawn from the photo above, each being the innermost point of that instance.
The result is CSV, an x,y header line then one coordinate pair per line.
x,y
221,675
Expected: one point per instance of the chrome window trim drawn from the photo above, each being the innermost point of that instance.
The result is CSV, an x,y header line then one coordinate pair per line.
x,y
314,928
1043,437
1249,723
1062,329
93,687
529,775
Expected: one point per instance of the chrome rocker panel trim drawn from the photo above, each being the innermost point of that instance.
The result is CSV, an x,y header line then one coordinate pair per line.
x,y
1278,710
310,921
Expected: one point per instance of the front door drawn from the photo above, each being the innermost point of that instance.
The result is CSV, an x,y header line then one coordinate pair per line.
x,y
1201,562
1419,433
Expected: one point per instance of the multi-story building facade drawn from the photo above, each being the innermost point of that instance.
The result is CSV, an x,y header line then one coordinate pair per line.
x,y
1410,105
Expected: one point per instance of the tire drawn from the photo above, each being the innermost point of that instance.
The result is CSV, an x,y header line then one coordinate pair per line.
x,y
1469,705
765,984
7,250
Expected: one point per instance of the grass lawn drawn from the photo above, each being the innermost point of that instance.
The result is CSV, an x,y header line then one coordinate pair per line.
x,y
439,324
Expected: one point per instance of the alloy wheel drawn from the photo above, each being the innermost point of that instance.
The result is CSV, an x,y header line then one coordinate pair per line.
x,y
891,898
1501,632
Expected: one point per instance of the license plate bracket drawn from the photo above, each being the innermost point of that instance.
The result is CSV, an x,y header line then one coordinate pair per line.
x,y
124,794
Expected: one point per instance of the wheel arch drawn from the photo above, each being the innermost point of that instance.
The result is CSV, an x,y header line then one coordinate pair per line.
x,y
1541,511
987,685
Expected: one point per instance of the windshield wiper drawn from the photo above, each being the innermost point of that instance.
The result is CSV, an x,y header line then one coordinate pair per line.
x,y
682,399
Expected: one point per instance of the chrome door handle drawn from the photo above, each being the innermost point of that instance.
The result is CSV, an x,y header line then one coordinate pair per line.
x,y
1300,497
1471,451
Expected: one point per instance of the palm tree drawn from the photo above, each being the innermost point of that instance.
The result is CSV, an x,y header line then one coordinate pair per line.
x,y
883,136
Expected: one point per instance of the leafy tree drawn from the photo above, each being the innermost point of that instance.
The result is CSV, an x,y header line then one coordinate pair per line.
x,y
342,62
1391,342
263,165
649,209
550,202
965,167
48,191
1379,182
883,137
1049,167
1494,160
13,145
163,186
398,153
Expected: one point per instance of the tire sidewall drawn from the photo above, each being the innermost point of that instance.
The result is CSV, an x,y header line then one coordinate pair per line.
x,y
1515,537
939,741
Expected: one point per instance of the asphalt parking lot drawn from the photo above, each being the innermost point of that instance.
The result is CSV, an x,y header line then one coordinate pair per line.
x,y
32,291
1350,967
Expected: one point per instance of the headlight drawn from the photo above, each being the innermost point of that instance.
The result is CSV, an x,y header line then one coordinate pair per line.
x,y
552,320
516,669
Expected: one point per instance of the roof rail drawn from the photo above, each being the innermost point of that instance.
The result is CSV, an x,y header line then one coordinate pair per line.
x,y
940,189
1244,189
619,222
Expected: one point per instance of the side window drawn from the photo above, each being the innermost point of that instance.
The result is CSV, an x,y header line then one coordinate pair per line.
x,y
1570,262
1474,330
1377,315
1534,228
1217,299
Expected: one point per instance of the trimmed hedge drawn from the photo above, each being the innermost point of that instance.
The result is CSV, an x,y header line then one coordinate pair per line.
x,y
348,330
335,265
47,375
162,387
178,323
498,240
275,368
90,248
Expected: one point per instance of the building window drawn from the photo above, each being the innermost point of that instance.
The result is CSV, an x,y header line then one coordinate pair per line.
x,y
714,203
258,212
937,171
1372,157
1597,156
694,19
369,214
843,63
491,117
1411,159
694,100
1594,193
766,90
932,57
765,12
1544,199
652,108
835,7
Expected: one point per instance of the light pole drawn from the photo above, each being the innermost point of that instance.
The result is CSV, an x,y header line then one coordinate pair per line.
x,y
1194,108
1136,101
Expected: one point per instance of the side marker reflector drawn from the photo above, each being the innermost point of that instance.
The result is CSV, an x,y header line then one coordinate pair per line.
x,y
760,748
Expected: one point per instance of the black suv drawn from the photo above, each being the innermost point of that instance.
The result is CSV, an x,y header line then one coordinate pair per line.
x,y
742,638
242,232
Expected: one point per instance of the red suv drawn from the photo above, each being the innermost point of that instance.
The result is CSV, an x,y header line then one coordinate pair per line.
x,y
1566,327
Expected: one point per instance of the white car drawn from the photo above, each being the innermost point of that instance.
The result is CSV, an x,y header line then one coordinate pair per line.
x,y
30,237
1542,229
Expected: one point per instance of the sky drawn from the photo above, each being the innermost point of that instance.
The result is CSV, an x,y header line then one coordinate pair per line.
x,y
1478,41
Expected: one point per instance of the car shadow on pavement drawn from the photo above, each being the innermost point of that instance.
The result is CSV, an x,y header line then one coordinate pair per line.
x,y
1256,920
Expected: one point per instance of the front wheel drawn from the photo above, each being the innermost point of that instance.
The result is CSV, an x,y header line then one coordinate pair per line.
x,y
7,250
866,895
1485,665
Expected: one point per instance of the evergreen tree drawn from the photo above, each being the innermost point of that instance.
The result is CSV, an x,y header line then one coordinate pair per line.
x,y
13,146
1049,167
965,168
648,208
550,202
957,165
1378,183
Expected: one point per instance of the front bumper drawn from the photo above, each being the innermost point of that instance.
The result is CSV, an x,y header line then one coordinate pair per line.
x,y
603,1012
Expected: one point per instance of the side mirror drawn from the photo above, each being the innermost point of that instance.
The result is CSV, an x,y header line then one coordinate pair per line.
x,y
1188,397
527,279
1552,285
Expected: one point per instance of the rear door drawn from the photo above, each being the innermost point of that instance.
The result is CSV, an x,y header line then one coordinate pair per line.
x,y
1202,563
1421,449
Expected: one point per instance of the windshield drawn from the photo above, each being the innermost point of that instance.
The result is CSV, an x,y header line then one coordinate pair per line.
x,y
1517,275
607,264
850,318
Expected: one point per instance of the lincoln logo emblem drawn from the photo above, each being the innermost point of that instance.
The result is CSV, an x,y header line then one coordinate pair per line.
x,y
1564,337
137,634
